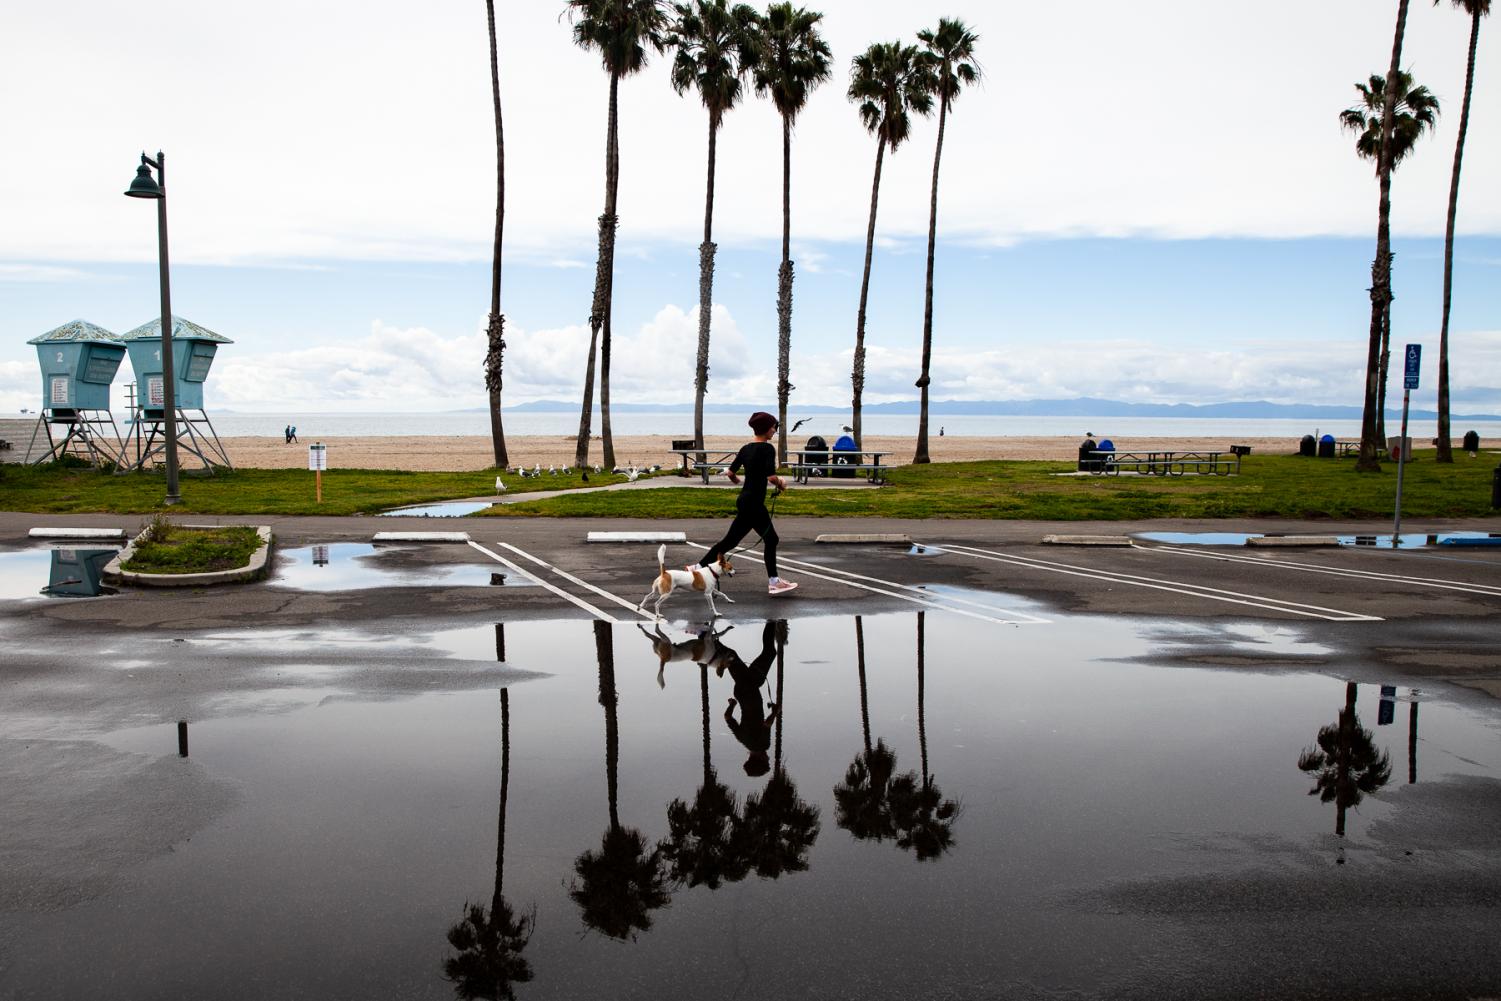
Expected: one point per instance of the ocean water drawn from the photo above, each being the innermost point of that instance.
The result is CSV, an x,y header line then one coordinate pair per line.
x,y
311,426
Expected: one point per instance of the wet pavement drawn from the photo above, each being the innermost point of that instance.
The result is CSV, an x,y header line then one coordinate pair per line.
x,y
945,785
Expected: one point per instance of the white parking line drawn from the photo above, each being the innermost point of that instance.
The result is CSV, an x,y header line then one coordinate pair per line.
x,y
1026,618
1373,575
600,613
581,583
1176,587
928,602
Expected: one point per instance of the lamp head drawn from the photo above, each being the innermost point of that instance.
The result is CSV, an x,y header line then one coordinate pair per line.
x,y
144,185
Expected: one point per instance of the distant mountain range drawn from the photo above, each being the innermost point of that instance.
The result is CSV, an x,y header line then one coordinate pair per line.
x,y
1083,406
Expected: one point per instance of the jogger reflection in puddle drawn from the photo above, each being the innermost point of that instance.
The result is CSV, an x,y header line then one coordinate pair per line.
x,y
753,729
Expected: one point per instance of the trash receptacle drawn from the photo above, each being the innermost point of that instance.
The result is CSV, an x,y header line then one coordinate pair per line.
x,y
816,444
1326,447
1472,442
842,463
1308,446
1087,461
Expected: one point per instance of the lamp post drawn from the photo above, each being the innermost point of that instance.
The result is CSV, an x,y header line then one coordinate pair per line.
x,y
145,186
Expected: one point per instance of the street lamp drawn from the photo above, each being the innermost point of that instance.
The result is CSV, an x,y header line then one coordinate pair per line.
x,y
145,186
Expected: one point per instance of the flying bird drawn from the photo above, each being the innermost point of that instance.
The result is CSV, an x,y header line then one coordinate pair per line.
x,y
799,424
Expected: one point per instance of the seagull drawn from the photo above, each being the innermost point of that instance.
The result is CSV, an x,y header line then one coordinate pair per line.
x,y
537,469
599,469
631,474
500,487
799,424
655,469
846,429
567,470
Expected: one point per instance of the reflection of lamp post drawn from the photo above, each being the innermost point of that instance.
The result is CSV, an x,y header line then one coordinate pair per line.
x,y
144,186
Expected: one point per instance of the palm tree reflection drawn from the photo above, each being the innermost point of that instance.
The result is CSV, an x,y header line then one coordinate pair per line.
x,y
701,848
1344,762
779,826
862,802
489,944
923,818
621,884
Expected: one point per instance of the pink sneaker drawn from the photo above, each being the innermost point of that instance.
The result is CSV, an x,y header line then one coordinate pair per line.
x,y
781,587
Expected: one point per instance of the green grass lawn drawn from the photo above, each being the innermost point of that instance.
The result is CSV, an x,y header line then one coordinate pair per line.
x,y
1268,486
174,549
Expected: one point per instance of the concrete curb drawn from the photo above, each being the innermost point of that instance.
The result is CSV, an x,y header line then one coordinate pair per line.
x,y
636,537
420,537
887,538
115,575
1086,540
91,534
1292,540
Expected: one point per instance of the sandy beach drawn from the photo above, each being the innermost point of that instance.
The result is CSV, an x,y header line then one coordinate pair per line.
x,y
474,452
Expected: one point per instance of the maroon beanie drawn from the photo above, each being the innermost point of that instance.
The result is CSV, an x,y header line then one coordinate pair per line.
x,y
761,422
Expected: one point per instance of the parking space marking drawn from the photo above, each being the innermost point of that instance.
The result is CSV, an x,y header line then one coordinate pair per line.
x,y
928,602
581,583
600,613
1176,587
1372,575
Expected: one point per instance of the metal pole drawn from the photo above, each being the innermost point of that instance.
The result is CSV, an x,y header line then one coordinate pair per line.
x,y
1401,464
169,391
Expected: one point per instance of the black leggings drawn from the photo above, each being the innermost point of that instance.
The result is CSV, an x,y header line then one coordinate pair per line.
x,y
757,518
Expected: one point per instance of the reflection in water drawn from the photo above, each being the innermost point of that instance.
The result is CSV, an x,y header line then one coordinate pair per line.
x,y
924,819
621,884
1344,762
862,802
489,944
79,573
702,845
780,826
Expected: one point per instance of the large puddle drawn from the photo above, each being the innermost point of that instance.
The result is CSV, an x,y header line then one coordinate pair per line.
x,y
1406,540
894,806
447,509
348,566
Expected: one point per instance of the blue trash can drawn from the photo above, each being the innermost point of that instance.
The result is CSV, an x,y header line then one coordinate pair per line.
x,y
842,463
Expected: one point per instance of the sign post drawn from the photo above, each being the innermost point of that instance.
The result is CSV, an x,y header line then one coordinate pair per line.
x,y
1414,357
317,461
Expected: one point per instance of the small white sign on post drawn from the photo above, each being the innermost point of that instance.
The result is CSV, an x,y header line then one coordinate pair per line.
x,y
317,461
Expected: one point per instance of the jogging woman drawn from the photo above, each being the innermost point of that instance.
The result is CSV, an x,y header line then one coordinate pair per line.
x,y
759,460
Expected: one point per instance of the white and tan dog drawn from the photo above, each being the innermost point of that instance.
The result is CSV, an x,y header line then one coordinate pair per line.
x,y
705,580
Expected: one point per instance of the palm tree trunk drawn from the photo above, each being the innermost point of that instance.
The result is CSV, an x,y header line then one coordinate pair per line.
x,y
922,719
495,327
1381,268
703,699
857,377
1445,453
603,263
612,183
927,306
1386,358
705,294
1346,742
604,652
860,667
784,296
497,901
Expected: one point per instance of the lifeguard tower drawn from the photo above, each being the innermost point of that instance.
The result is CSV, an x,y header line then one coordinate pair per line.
x,y
193,350
79,361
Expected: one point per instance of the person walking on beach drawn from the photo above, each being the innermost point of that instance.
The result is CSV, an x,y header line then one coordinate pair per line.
x,y
286,433
759,460
294,434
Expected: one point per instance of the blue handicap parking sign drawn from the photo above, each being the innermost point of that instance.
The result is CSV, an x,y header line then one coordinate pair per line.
x,y
1414,361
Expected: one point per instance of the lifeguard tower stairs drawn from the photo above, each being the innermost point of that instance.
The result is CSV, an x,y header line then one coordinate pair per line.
x,y
78,362
193,350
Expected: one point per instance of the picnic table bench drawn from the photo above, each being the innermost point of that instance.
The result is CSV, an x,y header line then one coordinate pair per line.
x,y
1169,462
810,462
704,461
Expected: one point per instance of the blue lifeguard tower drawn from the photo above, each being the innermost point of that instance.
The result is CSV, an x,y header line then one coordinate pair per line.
x,y
78,362
193,350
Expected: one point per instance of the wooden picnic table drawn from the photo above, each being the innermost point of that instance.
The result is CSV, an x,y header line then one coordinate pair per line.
x,y
825,461
705,460
1167,462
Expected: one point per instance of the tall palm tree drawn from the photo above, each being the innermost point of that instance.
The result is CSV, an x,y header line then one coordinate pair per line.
x,y
791,59
780,826
622,31
1413,112
702,844
621,884
924,818
952,51
1381,267
495,326
888,81
1344,762
489,944
1476,9
715,49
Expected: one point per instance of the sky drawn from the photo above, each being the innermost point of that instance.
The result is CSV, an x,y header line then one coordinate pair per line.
x,y
1149,202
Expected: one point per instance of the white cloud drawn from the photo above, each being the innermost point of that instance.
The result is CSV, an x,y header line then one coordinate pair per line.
x,y
41,273
1095,118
